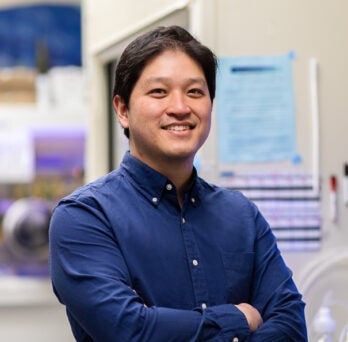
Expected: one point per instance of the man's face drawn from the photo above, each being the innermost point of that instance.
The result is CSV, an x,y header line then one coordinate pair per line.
x,y
169,110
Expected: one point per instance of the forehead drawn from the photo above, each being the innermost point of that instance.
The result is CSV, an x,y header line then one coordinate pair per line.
x,y
166,62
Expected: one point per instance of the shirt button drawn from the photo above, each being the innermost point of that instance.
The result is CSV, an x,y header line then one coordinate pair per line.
x,y
169,187
195,262
204,306
235,339
193,200
183,221
154,199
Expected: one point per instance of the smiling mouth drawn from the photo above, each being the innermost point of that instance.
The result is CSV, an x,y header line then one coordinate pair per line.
x,y
178,128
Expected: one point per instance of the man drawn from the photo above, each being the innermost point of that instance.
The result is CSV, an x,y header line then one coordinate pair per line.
x,y
151,252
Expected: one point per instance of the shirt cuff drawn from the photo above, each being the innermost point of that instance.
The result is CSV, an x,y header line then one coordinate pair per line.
x,y
229,320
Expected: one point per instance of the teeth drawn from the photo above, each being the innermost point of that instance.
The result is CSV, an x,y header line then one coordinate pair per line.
x,y
178,128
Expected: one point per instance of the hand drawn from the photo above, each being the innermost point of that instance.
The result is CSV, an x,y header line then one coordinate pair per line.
x,y
251,314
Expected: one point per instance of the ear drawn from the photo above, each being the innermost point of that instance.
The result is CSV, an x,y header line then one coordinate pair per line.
x,y
121,111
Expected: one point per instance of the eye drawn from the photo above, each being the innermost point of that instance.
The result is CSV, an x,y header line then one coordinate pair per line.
x,y
196,92
157,92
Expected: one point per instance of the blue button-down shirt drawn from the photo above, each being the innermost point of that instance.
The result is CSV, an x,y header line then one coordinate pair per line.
x,y
130,264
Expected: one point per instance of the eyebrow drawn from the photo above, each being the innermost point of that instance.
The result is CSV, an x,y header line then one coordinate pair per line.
x,y
167,80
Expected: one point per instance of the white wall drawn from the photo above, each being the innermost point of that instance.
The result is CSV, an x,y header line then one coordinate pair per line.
x,y
107,19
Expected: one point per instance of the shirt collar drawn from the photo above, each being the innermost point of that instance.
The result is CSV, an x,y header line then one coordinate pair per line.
x,y
150,182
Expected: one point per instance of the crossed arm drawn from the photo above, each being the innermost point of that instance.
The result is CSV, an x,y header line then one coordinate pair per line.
x,y
90,277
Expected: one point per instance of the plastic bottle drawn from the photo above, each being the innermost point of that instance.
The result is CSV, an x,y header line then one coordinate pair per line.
x,y
324,325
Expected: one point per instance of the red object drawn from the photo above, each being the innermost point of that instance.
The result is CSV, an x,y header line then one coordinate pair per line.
x,y
333,184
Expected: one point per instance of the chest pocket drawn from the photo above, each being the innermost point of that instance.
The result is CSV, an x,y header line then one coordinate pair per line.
x,y
238,269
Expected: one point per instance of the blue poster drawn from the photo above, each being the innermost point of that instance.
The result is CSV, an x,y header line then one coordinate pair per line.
x,y
255,109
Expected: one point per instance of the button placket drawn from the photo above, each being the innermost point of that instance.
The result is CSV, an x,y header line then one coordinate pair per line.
x,y
197,271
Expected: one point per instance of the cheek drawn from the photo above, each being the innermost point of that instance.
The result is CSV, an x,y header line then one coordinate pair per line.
x,y
153,108
143,118
206,116
207,128
206,120
146,110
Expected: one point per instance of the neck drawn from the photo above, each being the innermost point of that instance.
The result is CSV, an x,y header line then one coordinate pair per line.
x,y
178,171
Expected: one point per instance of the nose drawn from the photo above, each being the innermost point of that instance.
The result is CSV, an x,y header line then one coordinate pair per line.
x,y
177,104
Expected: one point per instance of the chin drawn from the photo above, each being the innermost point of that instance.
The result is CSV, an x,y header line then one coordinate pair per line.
x,y
180,151
181,154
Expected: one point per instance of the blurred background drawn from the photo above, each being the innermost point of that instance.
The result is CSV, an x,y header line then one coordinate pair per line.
x,y
43,112
282,82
